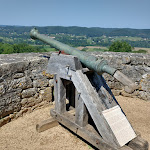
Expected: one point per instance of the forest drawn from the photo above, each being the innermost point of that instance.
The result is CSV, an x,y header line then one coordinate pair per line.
x,y
6,48
15,39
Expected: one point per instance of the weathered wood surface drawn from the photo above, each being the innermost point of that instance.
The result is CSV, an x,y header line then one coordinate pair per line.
x,y
46,124
125,148
138,144
88,132
81,116
59,94
61,64
104,92
96,98
94,106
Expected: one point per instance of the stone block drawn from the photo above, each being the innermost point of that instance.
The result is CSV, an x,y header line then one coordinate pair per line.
x,y
134,94
144,95
144,84
43,82
28,93
46,95
138,60
5,120
49,76
51,82
116,92
2,89
23,83
24,102
18,75
28,102
126,59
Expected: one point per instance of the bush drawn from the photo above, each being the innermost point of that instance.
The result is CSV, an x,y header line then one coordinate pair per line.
x,y
6,48
140,51
120,46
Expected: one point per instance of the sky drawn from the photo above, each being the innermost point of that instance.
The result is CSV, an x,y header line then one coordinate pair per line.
x,y
84,13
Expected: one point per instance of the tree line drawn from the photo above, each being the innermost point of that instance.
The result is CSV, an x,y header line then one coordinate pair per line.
x,y
6,48
75,30
70,35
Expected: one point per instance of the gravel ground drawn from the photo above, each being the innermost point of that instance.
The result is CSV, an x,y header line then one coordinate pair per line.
x,y
20,134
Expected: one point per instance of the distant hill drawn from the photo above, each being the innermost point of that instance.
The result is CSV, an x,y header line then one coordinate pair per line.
x,y
7,31
77,36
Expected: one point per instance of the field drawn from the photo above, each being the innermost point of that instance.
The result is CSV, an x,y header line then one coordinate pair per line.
x,y
100,48
139,48
20,134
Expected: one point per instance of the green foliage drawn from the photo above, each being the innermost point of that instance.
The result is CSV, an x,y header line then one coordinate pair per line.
x,y
94,49
77,36
6,48
120,46
47,48
140,51
84,49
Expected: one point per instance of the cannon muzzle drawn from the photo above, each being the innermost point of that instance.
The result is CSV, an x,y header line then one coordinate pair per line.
x,y
94,63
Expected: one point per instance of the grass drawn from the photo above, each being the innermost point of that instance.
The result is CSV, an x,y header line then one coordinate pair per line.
x,y
48,48
128,38
94,49
107,50
140,51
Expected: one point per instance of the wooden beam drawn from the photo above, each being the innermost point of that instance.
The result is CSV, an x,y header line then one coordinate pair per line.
x,y
138,144
46,124
88,132
81,116
105,95
59,94
94,106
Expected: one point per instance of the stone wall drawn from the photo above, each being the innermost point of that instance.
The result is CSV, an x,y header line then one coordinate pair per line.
x,y
25,86
135,66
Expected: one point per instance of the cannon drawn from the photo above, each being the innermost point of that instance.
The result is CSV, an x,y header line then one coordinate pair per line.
x,y
83,101
94,63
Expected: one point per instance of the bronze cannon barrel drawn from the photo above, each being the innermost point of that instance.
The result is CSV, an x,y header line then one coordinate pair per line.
x,y
92,62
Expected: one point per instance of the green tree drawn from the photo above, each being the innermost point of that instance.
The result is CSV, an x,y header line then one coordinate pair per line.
x,y
6,48
120,46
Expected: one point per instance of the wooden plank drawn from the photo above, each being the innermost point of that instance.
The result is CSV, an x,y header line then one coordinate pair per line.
x,y
59,94
91,99
94,106
81,116
46,124
55,91
87,132
125,148
62,62
106,96
139,144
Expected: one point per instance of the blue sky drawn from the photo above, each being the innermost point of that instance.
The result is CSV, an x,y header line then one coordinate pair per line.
x,y
86,13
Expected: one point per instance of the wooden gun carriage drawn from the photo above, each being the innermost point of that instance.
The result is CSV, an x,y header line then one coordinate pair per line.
x,y
83,101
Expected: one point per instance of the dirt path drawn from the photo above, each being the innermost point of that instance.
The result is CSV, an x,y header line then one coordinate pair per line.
x,y
21,134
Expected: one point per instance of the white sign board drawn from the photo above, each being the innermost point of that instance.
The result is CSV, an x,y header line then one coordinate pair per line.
x,y
119,125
